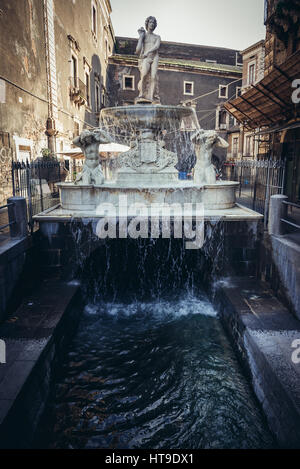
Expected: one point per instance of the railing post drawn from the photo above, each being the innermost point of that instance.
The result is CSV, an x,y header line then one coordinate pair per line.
x,y
28,181
276,212
41,189
13,177
255,187
267,197
17,214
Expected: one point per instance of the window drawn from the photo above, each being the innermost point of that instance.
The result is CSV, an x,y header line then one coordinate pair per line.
x,y
188,88
97,97
235,146
87,87
223,91
248,145
2,92
266,12
23,149
94,19
74,70
76,130
87,81
238,91
222,120
128,82
237,57
251,73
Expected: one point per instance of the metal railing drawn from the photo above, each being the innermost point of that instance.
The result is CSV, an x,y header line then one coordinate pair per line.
x,y
11,222
36,182
293,217
259,180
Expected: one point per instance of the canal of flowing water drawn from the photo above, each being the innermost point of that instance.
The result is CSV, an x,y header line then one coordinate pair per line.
x,y
151,367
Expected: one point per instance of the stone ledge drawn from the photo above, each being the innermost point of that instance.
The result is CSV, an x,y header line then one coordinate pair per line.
x,y
35,337
263,331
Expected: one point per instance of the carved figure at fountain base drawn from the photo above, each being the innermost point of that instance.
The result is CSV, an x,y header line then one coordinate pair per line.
x,y
204,142
89,142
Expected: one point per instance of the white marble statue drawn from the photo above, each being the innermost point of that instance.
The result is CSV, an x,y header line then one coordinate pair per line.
x,y
89,142
204,142
147,48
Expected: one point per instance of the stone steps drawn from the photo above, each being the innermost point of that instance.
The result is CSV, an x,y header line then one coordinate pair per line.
x,y
264,333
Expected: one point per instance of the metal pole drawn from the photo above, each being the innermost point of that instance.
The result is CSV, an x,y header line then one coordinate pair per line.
x,y
41,189
28,180
13,178
267,193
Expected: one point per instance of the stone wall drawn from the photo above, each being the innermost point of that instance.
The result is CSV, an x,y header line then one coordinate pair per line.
x,y
279,267
5,174
231,248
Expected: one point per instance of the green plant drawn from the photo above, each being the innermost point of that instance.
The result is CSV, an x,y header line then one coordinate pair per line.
x,y
47,154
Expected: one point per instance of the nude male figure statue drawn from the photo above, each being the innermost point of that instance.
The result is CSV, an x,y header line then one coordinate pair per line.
x,y
148,46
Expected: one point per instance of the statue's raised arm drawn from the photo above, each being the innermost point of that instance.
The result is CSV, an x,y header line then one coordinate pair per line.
x,y
140,44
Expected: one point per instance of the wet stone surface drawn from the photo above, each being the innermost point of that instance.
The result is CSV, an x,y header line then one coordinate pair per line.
x,y
156,374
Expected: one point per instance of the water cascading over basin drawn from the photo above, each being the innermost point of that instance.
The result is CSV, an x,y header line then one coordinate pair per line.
x,y
147,161
146,172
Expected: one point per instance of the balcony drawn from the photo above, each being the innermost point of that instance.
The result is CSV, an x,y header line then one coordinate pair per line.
x,y
77,91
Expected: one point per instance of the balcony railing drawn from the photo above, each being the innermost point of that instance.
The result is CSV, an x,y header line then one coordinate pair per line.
x,y
77,91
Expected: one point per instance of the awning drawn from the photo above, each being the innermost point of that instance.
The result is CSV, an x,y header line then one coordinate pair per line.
x,y
268,102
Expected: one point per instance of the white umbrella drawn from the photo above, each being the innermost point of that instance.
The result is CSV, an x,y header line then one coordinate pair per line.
x,y
113,148
103,148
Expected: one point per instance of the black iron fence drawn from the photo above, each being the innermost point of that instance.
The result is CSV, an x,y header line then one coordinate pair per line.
x,y
259,180
37,182
291,216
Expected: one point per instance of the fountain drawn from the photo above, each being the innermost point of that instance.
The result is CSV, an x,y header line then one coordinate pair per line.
x,y
146,172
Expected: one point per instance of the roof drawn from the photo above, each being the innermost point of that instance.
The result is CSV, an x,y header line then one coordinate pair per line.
x,y
253,46
124,38
269,102
192,65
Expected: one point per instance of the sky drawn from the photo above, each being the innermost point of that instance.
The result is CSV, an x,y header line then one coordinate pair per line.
x,y
235,24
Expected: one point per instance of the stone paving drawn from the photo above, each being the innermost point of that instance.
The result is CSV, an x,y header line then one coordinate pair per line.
x,y
266,335
33,336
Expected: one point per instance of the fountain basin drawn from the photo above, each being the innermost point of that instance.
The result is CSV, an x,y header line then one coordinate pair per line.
x,y
146,116
219,196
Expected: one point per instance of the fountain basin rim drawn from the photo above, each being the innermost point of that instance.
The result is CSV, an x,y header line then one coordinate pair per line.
x,y
179,186
147,116
154,108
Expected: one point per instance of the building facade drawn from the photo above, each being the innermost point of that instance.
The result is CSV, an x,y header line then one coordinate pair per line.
x,y
269,109
200,76
242,142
